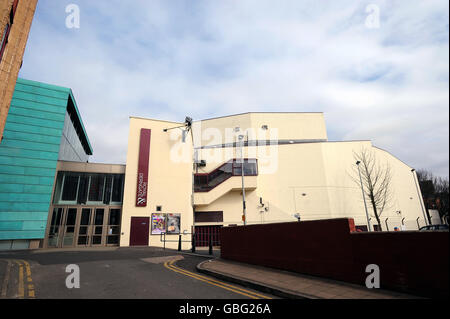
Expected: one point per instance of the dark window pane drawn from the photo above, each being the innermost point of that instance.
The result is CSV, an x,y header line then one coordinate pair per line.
x,y
99,230
96,240
99,213
71,216
56,217
83,188
113,240
114,230
114,217
85,216
117,191
83,230
107,193
96,188
70,188
82,240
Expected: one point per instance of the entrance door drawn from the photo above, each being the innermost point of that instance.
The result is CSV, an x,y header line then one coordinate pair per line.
x,y
69,227
97,227
62,227
84,228
139,232
55,231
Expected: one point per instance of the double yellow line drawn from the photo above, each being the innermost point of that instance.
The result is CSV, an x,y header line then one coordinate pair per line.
x,y
24,283
253,295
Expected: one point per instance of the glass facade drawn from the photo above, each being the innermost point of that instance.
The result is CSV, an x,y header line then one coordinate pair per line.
x,y
71,148
87,188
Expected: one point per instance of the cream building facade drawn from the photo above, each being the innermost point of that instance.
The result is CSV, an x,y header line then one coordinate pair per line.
x,y
291,171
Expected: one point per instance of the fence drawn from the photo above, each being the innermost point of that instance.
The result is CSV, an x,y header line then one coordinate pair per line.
x,y
209,242
410,261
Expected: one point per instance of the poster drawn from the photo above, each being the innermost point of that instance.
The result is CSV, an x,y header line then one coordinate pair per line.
x,y
158,224
173,223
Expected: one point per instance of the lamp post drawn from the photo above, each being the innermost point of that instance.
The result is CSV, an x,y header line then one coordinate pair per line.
x,y
413,171
244,217
187,128
364,197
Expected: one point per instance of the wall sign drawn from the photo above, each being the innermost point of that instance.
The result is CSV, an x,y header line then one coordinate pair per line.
x,y
142,177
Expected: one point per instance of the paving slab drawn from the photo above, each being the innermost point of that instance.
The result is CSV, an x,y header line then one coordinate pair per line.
x,y
292,285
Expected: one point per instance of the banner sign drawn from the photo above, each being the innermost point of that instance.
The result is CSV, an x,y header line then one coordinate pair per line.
x,y
173,223
142,177
158,224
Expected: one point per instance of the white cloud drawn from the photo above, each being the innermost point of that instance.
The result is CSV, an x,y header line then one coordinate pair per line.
x,y
168,59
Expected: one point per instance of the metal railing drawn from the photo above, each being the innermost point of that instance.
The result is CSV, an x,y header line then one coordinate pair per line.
x,y
192,240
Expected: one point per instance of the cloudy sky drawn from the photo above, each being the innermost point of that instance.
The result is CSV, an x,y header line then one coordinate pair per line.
x,y
171,58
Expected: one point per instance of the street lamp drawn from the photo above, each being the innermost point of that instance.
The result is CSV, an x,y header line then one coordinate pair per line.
x,y
186,128
244,217
364,197
413,171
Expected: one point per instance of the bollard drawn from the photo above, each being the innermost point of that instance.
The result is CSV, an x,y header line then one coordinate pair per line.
x,y
210,245
179,243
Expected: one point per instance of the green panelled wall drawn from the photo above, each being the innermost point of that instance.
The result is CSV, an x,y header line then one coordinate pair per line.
x,y
28,158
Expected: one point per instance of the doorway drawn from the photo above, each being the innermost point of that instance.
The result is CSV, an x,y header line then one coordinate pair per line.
x,y
83,227
139,233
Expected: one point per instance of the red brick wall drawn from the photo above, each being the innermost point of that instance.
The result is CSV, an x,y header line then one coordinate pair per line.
x,y
327,248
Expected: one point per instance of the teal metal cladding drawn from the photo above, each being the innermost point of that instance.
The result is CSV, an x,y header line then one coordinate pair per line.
x,y
28,157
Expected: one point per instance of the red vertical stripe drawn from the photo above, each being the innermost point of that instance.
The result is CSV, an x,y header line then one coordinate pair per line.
x,y
142,177
14,7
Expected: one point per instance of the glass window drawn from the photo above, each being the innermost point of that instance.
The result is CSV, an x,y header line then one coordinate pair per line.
x,y
114,217
96,188
85,216
117,191
71,216
99,213
107,192
70,188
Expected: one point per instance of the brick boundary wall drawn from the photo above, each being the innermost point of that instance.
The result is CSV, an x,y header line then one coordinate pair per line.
x,y
410,261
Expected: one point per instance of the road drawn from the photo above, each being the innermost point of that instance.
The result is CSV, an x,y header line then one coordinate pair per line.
x,y
119,273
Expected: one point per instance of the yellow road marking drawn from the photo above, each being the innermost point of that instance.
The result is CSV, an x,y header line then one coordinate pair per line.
x,y
6,280
218,281
21,285
30,287
250,294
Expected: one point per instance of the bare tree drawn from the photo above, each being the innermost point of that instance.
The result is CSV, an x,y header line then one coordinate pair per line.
x,y
441,187
427,188
435,192
376,181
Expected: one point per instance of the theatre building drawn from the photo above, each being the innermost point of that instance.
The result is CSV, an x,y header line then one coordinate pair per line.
x,y
183,182
50,195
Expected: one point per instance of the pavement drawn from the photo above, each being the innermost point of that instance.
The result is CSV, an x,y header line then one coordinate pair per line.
x,y
291,285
